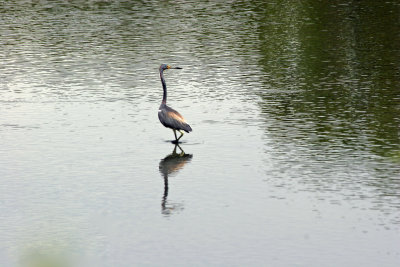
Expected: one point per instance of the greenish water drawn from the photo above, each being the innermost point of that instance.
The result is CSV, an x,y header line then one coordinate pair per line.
x,y
294,158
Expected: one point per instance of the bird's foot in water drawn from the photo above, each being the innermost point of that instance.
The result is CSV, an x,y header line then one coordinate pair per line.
x,y
175,142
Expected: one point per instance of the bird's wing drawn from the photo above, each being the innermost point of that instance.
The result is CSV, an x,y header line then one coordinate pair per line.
x,y
172,119
172,113
175,115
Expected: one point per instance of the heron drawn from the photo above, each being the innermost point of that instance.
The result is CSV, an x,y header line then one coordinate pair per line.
x,y
169,117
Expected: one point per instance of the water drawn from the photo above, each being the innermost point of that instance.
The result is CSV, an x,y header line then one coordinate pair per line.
x,y
294,158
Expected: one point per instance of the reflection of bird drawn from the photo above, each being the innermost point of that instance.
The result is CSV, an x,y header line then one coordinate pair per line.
x,y
169,117
171,164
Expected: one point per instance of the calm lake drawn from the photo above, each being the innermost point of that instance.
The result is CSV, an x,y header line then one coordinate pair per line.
x,y
294,158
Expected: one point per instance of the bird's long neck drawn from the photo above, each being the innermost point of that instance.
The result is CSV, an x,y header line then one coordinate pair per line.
x,y
164,85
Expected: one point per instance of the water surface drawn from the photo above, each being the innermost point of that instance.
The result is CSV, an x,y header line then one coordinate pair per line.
x,y
294,158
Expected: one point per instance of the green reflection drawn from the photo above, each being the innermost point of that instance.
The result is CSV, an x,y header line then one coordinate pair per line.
x,y
45,256
44,260
333,71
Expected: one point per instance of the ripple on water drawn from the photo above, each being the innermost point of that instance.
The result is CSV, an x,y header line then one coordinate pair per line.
x,y
295,121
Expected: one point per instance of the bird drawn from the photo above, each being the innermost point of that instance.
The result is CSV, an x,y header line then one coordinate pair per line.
x,y
169,117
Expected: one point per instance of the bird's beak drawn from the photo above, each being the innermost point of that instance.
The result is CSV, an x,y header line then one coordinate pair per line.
x,y
169,67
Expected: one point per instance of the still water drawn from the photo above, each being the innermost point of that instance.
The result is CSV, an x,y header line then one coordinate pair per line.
x,y
294,158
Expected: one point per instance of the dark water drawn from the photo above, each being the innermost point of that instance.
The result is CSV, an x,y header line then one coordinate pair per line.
x,y
295,155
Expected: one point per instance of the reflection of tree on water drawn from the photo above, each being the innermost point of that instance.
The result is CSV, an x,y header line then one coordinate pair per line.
x,y
333,78
170,165
330,94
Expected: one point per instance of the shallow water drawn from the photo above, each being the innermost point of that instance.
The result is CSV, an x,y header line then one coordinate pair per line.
x,y
294,158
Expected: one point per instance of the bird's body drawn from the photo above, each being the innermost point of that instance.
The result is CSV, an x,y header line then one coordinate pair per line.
x,y
169,117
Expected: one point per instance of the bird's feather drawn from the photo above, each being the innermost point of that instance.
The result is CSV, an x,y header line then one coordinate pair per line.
x,y
176,116
172,119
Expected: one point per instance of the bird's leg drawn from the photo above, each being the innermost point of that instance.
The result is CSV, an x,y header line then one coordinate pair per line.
x,y
182,152
179,136
176,139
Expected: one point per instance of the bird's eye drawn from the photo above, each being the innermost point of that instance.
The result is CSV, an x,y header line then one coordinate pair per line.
x,y
168,66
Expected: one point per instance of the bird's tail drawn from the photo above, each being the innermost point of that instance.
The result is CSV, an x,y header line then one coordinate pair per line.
x,y
187,128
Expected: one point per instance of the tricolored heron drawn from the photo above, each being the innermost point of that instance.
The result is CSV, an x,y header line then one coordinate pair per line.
x,y
169,117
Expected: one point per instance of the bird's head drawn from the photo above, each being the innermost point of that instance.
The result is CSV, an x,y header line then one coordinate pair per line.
x,y
165,67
